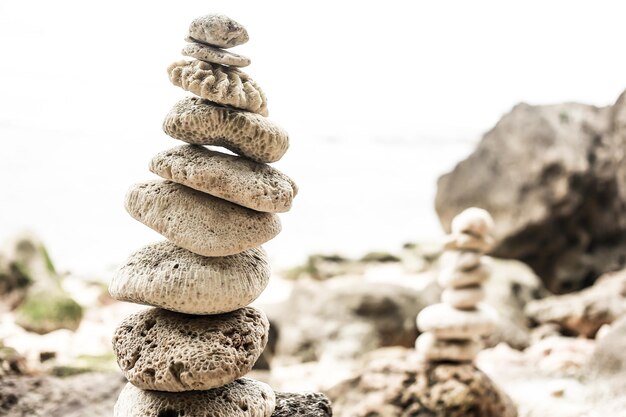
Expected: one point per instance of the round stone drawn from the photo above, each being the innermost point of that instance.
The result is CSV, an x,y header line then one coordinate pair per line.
x,y
167,276
208,53
447,322
433,349
228,86
474,221
305,404
218,30
464,297
199,222
241,398
465,241
239,180
461,260
450,277
166,351
197,121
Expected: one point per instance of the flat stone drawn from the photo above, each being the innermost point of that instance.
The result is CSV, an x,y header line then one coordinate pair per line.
x,y
218,30
309,404
432,349
462,260
228,86
465,241
197,121
241,398
463,297
165,351
208,53
199,222
446,322
238,180
167,276
474,221
450,277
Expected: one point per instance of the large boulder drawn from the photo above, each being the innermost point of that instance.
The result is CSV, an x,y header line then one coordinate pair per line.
x,y
554,179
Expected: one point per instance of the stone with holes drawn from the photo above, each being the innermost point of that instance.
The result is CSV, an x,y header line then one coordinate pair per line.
x,y
218,30
308,404
167,276
215,55
167,351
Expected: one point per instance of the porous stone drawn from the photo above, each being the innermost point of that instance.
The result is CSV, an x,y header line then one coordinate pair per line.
x,y
208,53
199,222
446,322
197,121
433,349
309,404
165,351
167,276
450,277
474,221
460,260
218,30
463,297
465,241
241,398
239,180
223,85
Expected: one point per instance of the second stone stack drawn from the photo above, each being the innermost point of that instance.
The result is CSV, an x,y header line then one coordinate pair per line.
x,y
187,355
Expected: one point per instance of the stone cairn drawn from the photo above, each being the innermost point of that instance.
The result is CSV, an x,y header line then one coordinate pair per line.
x,y
452,329
187,354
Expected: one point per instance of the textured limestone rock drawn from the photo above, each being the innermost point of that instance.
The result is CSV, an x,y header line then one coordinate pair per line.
x,y
166,351
239,180
433,349
310,404
241,398
463,297
167,276
449,276
446,322
215,55
201,122
198,222
223,85
218,30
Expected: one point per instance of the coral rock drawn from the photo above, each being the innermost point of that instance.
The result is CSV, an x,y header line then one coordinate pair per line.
x,y
208,53
218,30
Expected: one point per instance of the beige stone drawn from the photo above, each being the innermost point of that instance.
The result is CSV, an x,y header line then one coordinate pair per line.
x,y
208,53
465,241
228,86
201,122
461,260
199,222
167,276
166,351
450,277
464,297
241,398
233,178
474,221
433,349
218,30
446,322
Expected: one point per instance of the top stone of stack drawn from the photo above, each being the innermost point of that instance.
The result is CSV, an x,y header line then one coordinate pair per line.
x,y
217,30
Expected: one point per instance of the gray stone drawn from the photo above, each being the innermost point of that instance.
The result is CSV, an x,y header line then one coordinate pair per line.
x,y
218,30
208,53
309,404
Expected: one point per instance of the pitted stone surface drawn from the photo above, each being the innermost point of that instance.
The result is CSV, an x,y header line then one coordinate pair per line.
x,y
165,351
446,322
309,404
239,180
197,121
463,297
450,277
223,85
215,55
474,221
167,276
218,30
241,398
433,349
199,222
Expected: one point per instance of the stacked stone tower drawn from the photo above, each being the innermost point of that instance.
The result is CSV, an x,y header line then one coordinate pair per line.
x,y
187,354
453,328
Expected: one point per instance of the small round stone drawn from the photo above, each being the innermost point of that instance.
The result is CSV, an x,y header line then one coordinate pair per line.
x,y
474,221
239,180
208,53
241,398
197,121
305,404
227,86
447,322
199,222
464,297
461,260
165,351
218,30
433,349
167,276
451,277
465,241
